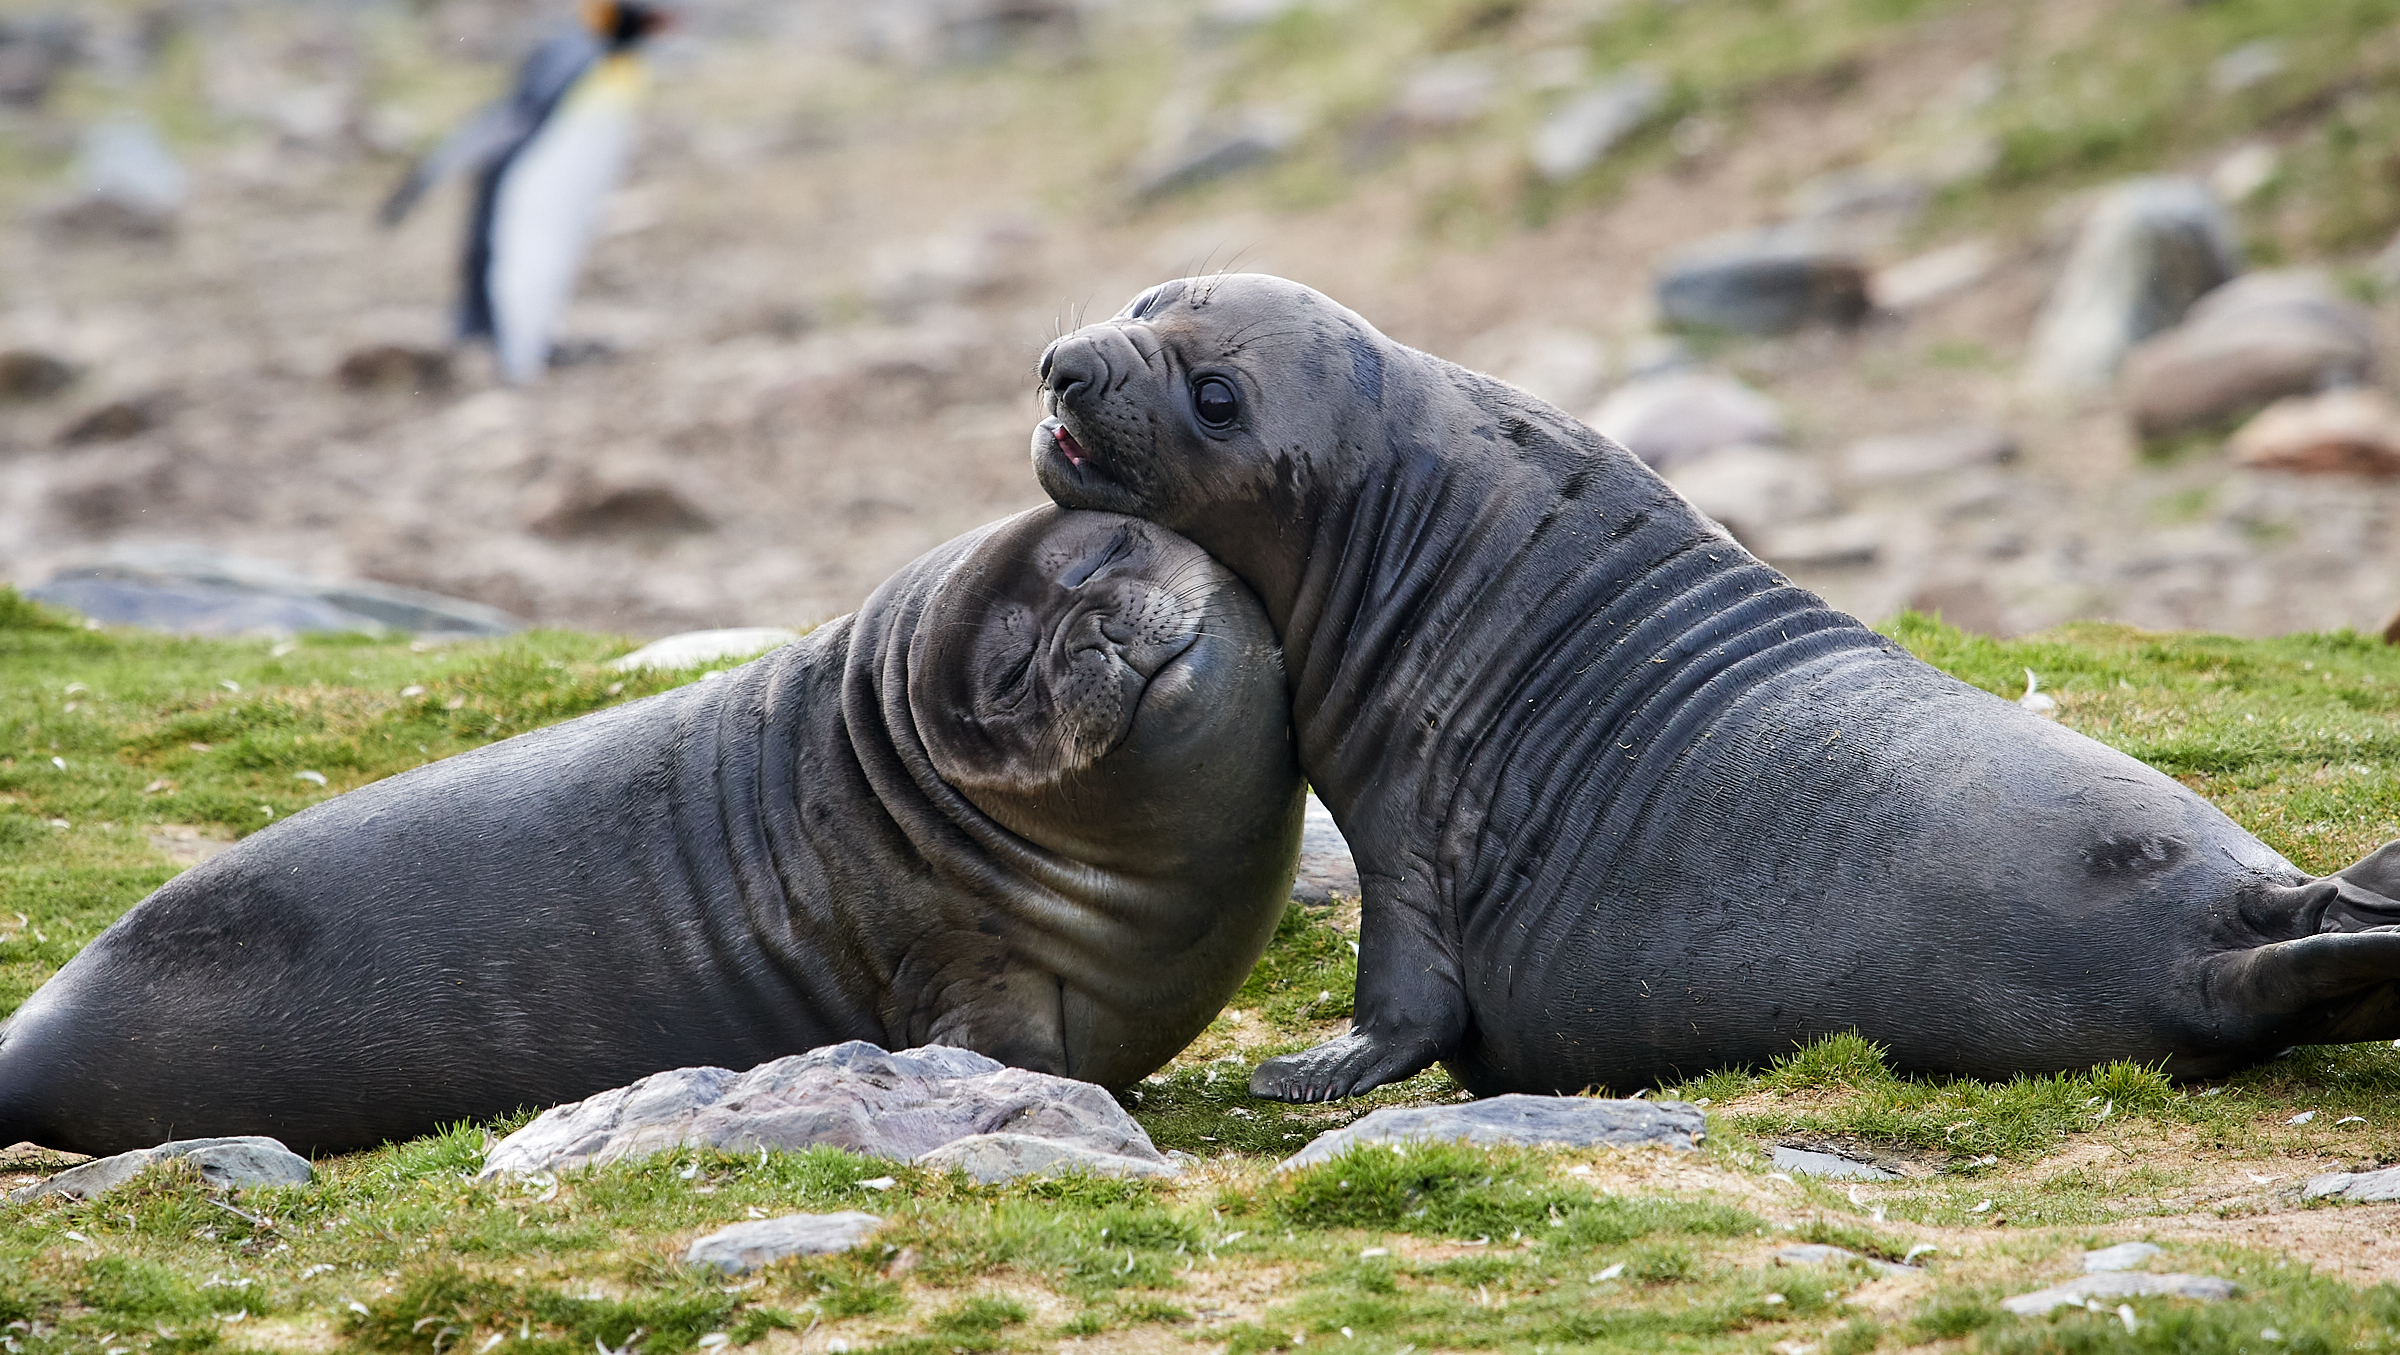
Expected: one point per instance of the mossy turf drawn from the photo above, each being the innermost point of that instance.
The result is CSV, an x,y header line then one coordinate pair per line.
x,y
1435,1247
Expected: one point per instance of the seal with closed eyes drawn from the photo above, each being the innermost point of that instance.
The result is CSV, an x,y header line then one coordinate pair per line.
x,y
1627,804
1037,798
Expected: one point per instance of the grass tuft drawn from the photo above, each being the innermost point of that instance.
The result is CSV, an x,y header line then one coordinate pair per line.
x,y
21,613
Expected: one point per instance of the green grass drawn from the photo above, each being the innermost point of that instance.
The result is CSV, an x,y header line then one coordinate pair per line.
x,y
1442,1247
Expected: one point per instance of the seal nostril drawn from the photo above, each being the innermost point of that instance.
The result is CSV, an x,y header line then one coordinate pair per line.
x,y
1070,368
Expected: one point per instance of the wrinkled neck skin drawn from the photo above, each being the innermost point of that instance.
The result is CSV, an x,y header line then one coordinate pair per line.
x,y
1098,752
1403,607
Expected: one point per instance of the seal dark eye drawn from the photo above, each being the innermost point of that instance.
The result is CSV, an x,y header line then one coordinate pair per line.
x,y
1213,399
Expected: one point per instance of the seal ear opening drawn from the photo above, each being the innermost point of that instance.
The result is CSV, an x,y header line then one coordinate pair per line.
x,y
2332,988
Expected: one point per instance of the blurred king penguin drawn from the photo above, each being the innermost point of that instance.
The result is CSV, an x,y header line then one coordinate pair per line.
x,y
544,159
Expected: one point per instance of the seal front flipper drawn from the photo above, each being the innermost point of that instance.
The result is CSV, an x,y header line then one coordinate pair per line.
x,y
1410,1011
1013,1015
2338,981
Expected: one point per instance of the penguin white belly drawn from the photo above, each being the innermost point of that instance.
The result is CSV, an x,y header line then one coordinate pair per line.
x,y
549,199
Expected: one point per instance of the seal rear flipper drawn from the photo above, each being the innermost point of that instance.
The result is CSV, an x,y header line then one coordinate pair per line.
x,y
2332,988
1411,1009
2369,890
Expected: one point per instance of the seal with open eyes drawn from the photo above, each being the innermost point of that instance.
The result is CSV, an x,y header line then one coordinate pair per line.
x,y
1627,804
1037,798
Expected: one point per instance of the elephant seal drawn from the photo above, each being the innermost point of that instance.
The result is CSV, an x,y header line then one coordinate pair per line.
x,y
1037,798
1628,804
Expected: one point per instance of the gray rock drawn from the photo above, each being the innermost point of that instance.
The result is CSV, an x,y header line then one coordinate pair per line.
x,y
1568,1121
2340,432
694,648
597,509
35,50
927,32
1677,416
2250,64
1933,276
854,1096
744,1247
1867,191
128,183
2121,1257
226,1164
2365,1186
1327,870
396,367
1749,488
1235,141
1770,281
190,591
192,609
994,1158
2248,343
30,374
1585,127
2147,251
115,421
1909,456
2130,1284
1811,1162
1818,1254
1447,92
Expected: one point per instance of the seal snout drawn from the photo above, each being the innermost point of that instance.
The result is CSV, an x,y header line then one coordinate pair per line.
x,y
1072,368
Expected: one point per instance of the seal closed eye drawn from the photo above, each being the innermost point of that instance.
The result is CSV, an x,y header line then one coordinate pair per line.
x,y
1627,804
1036,798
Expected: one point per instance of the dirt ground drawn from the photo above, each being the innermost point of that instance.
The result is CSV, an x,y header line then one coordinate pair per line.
x,y
825,282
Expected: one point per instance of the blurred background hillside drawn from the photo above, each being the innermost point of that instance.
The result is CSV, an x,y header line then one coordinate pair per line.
x,y
2019,310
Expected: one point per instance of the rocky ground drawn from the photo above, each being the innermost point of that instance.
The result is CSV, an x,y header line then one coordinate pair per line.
x,y
806,337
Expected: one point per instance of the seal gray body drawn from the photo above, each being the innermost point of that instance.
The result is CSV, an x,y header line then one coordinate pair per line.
x,y
1037,798
1629,805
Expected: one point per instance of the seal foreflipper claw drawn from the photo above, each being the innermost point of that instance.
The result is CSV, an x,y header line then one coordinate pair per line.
x,y
1341,1067
1409,1012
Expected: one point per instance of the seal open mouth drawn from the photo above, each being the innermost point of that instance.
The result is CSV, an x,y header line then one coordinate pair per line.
x,y
1067,446
1057,446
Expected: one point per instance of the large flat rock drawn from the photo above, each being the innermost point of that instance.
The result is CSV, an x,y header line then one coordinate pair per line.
x,y
188,591
2363,1186
1564,1121
227,1164
854,1096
